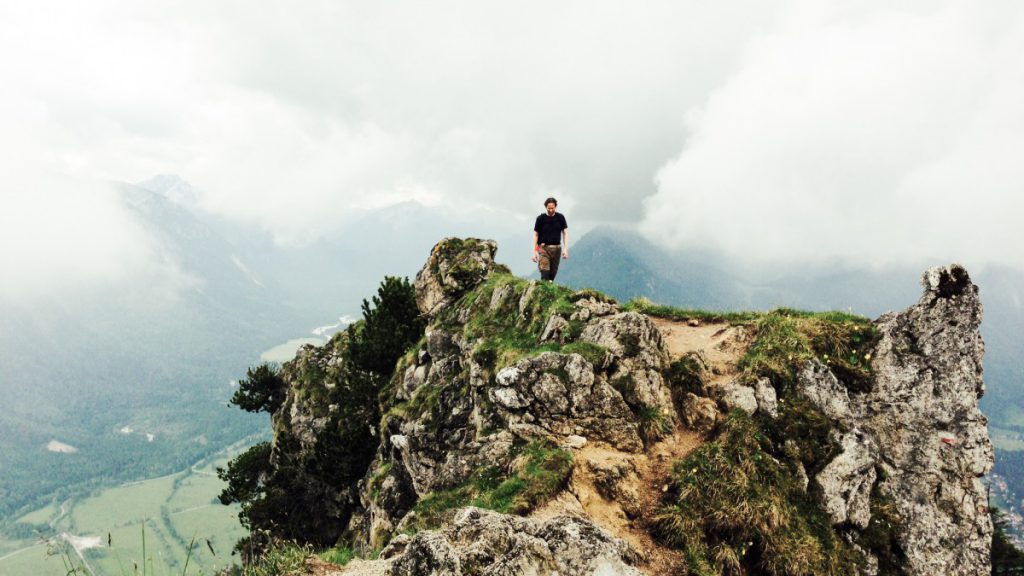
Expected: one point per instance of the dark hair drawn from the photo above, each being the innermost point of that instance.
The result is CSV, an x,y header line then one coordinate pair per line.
x,y
551,200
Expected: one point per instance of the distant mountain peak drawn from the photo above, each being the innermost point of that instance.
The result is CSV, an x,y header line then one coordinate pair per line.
x,y
172,187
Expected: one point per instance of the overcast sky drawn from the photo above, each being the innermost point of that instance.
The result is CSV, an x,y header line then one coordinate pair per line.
x,y
773,130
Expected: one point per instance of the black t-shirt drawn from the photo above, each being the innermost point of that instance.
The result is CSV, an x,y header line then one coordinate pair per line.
x,y
549,228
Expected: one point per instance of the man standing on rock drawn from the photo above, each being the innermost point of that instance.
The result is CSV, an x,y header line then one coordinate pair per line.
x,y
550,240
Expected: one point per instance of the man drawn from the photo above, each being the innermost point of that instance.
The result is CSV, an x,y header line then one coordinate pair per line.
x,y
550,240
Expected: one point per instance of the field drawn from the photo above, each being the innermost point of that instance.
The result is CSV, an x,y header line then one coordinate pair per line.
x,y
1008,440
110,527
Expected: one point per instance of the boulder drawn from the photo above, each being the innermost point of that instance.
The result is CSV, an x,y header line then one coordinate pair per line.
x,y
767,401
558,395
816,382
732,395
700,413
454,267
484,543
640,354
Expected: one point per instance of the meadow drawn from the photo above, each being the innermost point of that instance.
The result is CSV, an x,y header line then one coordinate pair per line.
x,y
111,527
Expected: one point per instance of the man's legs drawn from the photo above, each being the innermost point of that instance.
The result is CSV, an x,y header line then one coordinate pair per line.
x,y
554,257
544,263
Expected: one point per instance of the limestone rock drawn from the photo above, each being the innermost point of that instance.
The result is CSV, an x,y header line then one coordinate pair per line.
x,y
501,297
574,442
555,330
767,401
929,377
558,395
927,382
641,356
454,414
524,299
454,267
587,308
700,413
732,395
485,543
847,480
823,389
629,335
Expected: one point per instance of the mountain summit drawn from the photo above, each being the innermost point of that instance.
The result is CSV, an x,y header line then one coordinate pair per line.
x,y
534,429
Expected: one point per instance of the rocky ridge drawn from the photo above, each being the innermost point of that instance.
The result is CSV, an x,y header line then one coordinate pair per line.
x,y
512,379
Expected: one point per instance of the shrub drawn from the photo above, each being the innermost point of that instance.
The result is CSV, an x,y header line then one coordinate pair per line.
x,y
262,390
296,498
390,325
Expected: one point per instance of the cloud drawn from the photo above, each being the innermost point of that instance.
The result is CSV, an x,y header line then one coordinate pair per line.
x,y
772,129
880,136
289,115
74,236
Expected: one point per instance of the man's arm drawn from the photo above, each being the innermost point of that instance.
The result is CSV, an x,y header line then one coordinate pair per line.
x,y
533,249
565,244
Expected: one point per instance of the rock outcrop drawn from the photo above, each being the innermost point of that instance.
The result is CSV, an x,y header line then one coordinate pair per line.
x,y
486,543
919,429
454,267
559,395
504,364
463,401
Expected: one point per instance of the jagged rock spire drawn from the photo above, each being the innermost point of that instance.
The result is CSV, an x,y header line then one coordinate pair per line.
x,y
919,429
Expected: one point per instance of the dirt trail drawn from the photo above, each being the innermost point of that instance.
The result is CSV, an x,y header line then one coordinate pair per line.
x,y
720,345
622,491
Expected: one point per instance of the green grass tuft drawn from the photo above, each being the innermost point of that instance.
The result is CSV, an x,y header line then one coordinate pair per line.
x,y
278,559
786,339
338,556
649,308
734,508
544,472
655,423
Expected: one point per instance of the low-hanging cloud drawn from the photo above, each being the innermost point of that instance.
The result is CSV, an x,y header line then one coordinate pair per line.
x,y
781,129
291,115
882,136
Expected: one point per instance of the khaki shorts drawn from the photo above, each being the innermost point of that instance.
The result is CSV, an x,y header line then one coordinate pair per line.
x,y
548,257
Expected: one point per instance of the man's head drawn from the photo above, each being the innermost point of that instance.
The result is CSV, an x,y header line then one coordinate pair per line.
x,y
550,204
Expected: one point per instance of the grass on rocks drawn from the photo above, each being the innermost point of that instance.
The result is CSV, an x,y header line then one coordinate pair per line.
x,y
736,505
733,508
543,471
786,339
503,333
645,306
